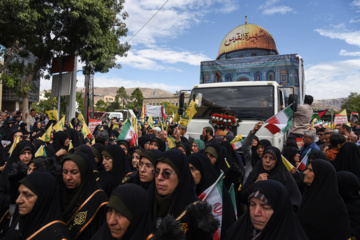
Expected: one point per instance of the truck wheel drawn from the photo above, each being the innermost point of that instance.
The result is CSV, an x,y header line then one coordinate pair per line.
x,y
293,99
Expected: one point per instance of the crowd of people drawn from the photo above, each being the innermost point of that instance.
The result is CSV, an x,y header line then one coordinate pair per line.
x,y
101,187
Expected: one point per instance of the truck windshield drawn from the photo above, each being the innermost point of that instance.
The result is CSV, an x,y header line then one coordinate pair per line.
x,y
245,102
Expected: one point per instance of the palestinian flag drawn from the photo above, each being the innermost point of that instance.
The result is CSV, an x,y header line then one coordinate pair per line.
x,y
281,121
319,114
127,133
304,162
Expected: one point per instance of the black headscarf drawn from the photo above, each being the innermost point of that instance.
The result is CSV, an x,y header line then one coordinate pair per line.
x,y
317,154
186,146
110,180
131,201
279,173
59,140
348,159
142,140
323,214
222,154
289,153
47,205
10,135
184,194
73,198
97,148
208,174
349,190
282,225
159,143
255,157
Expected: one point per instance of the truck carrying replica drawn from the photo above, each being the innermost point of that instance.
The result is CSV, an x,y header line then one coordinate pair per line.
x,y
249,80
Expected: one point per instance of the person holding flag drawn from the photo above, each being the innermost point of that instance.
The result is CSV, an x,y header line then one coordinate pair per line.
x,y
309,143
204,177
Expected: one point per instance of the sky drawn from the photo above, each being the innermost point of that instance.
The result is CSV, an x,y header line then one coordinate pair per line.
x,y
167,51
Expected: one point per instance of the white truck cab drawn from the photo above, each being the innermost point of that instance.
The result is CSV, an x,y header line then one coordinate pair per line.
x,y
249,101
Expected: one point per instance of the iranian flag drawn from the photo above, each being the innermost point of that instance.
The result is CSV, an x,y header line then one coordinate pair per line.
x,y
213,197
127,133
281,121
304,162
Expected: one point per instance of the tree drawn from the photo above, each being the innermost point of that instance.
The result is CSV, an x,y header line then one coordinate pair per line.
x,y
121,93
51,103
46,29
170,109
100,105
351,103
137,98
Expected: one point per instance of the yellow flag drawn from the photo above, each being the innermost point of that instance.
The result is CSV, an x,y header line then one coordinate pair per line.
x,y
41,151
142,118
52,114
85,130
59,126
236,139
71,126
133,123
171,142
343,112
189,114
151,122
287,164
70,146
17,140
176,118
93,141
46,137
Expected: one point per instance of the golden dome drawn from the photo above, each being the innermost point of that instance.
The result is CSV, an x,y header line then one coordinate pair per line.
x,y
247,36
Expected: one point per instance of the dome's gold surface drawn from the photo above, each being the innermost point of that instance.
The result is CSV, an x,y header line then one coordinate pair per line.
x,y
247,36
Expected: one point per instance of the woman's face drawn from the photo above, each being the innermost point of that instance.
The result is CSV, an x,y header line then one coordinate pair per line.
x,y
71,174
135,158
194,148
211,157
164,185
268,161
67,142
153,146
195,173
259,150
260,213
123,147
182,149
25,156
145,170
31,168
254,143
38,124
26,200
309,175
117,223
108,163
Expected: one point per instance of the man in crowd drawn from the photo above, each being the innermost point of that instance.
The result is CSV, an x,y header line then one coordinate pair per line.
x,y
309,143
345,130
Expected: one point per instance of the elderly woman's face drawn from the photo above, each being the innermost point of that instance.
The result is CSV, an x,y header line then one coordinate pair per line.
x,y
260,213
268,161
309,175
26,200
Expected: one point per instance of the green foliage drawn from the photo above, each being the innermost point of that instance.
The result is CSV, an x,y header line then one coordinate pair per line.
x,y
351,103
90,29
100,105
111,107
170,109
137,98
51,103
121,93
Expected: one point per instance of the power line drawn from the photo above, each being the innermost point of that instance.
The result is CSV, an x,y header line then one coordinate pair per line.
x,y
148,21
